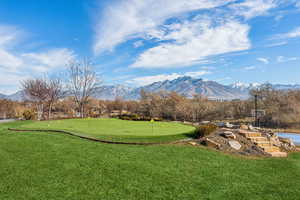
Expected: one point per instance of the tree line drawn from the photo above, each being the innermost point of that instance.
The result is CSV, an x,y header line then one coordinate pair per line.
x,y
50,98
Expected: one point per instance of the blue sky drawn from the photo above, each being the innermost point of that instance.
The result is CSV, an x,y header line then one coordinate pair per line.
x,y
137,42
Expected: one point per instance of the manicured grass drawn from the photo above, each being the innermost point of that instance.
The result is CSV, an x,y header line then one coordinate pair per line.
x,y
43,166
119,130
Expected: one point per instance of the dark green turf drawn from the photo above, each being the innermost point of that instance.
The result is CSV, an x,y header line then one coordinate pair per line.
x,y
44,166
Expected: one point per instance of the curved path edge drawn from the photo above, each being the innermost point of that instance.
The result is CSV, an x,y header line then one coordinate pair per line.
x,y
90,138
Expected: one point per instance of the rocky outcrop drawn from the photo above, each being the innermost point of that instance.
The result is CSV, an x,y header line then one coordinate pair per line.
x,y
229,134
249,141
287,144
211,143
269,142
235,144
230,141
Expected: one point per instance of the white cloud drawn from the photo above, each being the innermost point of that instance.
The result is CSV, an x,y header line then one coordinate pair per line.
x,y
196,74
129,19
250,68
264,60
277,44
253,8
146,80
282,59
292,34
50,59
15,66
9,61
195,41
278,17
9,35
9,81
184,42
138,44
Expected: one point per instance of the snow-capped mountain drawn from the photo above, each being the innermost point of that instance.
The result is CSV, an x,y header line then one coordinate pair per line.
x,y
186,86
18,96
189,87
111,92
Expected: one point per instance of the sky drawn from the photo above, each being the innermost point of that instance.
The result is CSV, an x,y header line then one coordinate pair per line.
x,y
135,43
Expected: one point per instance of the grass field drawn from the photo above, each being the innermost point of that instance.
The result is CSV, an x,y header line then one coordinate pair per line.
x,y
44,166
119,130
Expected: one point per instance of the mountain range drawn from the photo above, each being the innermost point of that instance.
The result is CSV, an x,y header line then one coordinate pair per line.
x,y
186,86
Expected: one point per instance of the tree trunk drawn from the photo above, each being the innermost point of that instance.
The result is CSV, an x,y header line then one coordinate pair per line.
x,y
82,111
40,108
49,112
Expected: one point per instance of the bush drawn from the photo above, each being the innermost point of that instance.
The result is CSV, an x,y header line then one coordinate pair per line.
x,y
28,114
135,117
205,130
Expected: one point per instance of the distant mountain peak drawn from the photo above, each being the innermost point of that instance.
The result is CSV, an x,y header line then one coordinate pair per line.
x,y
184,85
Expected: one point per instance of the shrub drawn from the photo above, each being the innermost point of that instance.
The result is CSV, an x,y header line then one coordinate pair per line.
x,y
205,130
136,117
28,114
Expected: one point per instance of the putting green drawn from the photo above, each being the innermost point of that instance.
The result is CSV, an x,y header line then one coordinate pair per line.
x,y
115,129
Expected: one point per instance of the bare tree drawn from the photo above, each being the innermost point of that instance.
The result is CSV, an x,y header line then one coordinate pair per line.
x,y
36,90
83,83
54,93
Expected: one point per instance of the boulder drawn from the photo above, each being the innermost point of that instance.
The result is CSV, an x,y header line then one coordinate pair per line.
x,y
244,127
279,154
287,144
228,125
235,145
252,128
275,140
229,134
212,143
193,143
204,122
286,140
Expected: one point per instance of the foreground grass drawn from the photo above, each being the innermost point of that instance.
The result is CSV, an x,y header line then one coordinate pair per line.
x,y
119,130
37,166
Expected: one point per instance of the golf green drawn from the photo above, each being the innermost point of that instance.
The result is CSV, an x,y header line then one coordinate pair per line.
x,y
118,130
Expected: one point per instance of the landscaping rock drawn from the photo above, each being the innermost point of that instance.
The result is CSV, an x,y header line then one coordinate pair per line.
x,y
212,143
228,125
193,143
252,128
275,140
279,154
229,134
205,122
287,144
244,127
235,145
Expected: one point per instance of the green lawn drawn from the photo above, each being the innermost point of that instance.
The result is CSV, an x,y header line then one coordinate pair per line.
x,y
119,130
50,166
